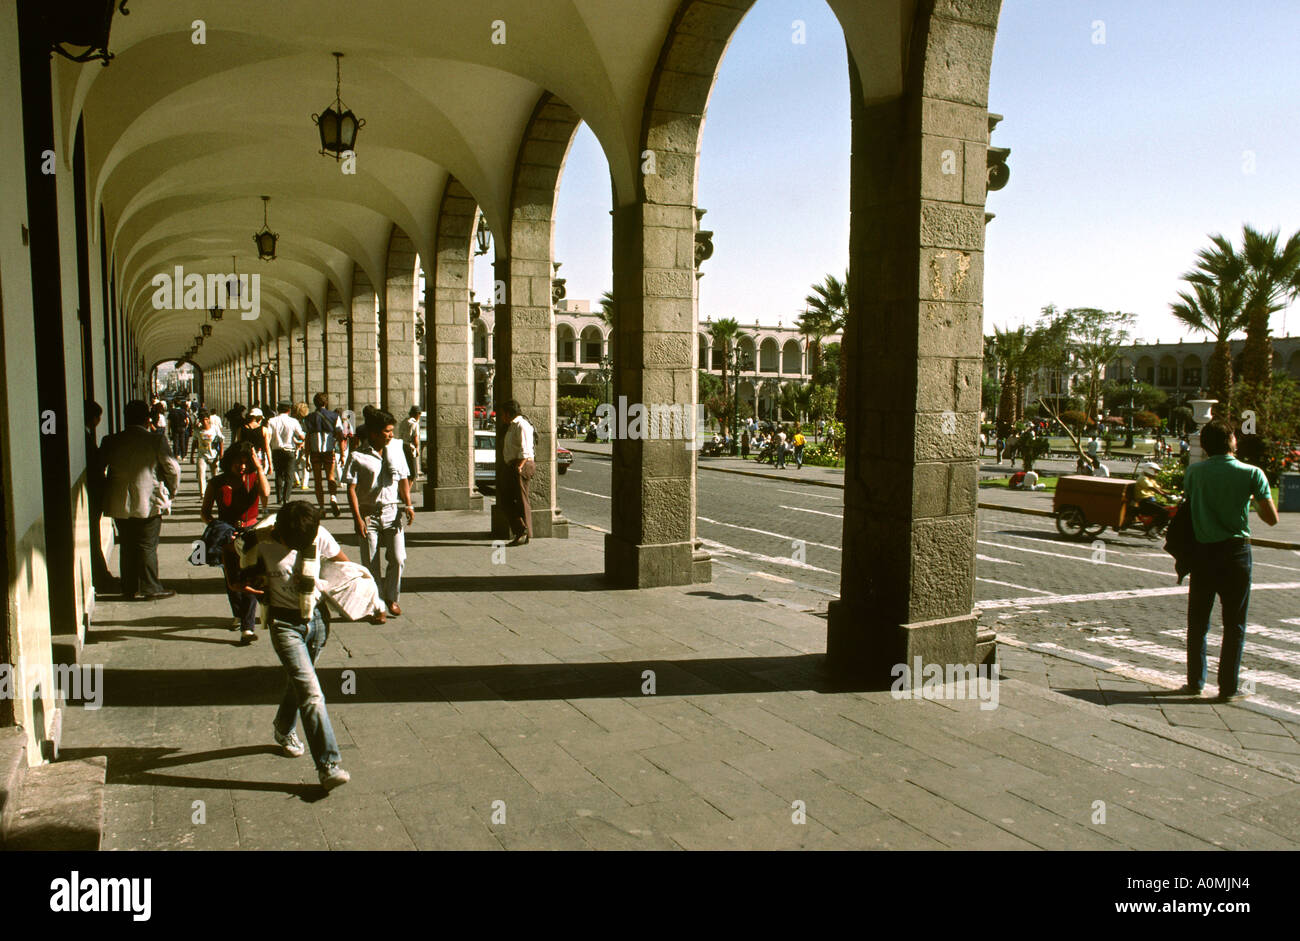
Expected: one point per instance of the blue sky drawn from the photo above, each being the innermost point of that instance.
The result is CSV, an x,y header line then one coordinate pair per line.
x,y
1125,156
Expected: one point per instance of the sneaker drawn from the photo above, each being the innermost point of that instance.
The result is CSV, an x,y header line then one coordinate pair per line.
x,y
333,776
236,624
247,637
1188,690
291,743
337,512
1233,697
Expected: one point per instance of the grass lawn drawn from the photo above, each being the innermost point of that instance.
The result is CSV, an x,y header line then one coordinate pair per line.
x,y
1004,481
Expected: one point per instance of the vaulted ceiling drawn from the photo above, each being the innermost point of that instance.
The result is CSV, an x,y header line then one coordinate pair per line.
x,y
184,137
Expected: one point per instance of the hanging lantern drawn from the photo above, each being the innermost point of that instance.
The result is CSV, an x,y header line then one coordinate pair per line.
x,y
82,23
216,313
265,239
483,236
337,124
232,286
207,329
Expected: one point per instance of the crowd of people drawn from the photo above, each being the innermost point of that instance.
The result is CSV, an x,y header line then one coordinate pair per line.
x,y
281,567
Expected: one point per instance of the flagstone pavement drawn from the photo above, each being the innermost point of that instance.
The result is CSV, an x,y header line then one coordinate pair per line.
x,y
520,703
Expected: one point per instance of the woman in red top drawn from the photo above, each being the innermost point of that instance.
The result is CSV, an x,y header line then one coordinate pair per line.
x,y
237,494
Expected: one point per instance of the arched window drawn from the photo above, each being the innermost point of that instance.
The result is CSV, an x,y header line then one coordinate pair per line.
x,y
792,358
593,345
1192,372
768,356
566,344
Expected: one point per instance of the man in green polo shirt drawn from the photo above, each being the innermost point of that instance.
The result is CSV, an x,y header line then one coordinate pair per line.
x,y
1220,489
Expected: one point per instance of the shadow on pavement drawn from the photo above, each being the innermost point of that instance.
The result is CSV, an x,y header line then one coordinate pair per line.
x,y
487,683
137,766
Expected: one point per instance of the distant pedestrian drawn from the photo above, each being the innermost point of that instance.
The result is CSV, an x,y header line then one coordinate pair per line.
x,y
300,466
1000,447
780,449
324,430
209,444
744,444
286,437
379,494
518,454
410,436
798,448
235,495
1219,491
142,476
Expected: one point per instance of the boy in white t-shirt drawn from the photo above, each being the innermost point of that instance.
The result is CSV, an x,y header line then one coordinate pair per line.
x,y
284,568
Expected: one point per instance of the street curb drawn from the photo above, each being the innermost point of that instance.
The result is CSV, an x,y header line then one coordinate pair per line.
x,y
1030,511
733,470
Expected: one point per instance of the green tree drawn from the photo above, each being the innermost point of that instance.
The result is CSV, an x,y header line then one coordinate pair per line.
x,y
821,403
1095,338
606,312
1215,310
828,312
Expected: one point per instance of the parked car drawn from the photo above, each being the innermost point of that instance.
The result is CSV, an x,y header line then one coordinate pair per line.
x,y
485,459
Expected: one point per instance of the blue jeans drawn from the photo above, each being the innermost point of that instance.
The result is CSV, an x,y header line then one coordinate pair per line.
x,y
390,537
298,646
1222,569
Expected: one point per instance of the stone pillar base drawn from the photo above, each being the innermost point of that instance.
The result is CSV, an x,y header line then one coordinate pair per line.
x,y
629,565
552,525
452,498
861,650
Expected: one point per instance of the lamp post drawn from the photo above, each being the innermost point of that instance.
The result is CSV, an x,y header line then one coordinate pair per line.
x,y
737,361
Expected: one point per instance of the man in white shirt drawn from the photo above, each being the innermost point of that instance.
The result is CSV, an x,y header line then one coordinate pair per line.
x,y
287,436
379,493
517,452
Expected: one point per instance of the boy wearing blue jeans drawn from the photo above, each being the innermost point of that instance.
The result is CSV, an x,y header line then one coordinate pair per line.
x,y
287,564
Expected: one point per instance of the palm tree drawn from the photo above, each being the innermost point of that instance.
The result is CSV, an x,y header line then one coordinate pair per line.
x,y
724,332
1215,310
1008,350
828,307
606,313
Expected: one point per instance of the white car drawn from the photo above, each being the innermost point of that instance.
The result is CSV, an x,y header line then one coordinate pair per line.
x,y
485,457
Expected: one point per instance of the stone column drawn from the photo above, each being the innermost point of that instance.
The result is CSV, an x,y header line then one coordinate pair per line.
x,y
914,347
337,367
652,542
525,325
284,366
450,364
401,356
314,351
365,345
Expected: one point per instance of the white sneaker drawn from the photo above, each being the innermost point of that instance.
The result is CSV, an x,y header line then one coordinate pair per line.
x,y
333,776
291,743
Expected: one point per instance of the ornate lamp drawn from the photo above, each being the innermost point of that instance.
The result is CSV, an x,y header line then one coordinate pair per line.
x,y
232,284
207,329
337,124
483,236
84,23
215,312
265,240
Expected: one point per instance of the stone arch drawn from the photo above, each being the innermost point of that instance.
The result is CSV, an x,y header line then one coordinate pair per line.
x,y
566,344
1146,370
1193,374
769,356
524,343
482,340
591,345
1167,372
703,342
1293,364
745,348
792,358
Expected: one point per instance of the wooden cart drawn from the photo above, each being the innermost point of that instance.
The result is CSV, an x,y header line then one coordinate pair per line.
x,y
1084,506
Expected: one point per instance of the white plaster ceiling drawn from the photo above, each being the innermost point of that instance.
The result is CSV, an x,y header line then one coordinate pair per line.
x,y
183,139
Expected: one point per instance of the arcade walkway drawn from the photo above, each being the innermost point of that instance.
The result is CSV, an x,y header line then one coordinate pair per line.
x,y
522,682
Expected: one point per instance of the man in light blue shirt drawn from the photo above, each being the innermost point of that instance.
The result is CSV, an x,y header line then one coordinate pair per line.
x,y
1219,490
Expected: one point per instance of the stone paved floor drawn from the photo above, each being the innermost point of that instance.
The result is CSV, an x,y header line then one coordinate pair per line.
x,y
507,709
